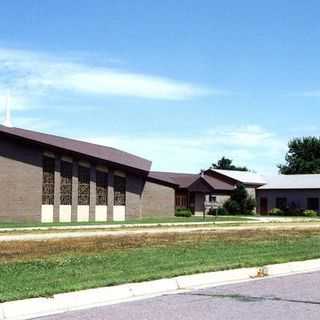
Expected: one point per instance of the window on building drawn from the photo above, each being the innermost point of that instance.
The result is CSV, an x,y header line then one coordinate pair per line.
x,y
66,183
313,204
212,198
48,180
84,186
101,188
281,203
119,187
181,201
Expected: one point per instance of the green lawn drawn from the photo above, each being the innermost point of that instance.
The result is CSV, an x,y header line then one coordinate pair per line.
x,y
140,221
72,270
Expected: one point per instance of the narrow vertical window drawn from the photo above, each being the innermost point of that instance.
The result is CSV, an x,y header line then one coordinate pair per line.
x,y
101,188
84,186
66,183
263,205
313,204
281,203
48,180
119,186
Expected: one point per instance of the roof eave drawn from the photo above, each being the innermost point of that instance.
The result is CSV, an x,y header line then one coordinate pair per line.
x,y
116,165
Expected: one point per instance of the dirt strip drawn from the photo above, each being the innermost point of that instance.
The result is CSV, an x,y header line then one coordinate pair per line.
x,y
154,230
11,251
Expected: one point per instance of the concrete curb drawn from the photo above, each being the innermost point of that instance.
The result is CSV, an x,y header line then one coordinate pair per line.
x,y
37,307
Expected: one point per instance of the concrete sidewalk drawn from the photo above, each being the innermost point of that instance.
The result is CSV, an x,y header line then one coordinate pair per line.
x,y
155,230
250,220
99,233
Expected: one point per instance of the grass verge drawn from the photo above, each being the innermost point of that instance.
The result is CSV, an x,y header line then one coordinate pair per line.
x,y
9,224
33,269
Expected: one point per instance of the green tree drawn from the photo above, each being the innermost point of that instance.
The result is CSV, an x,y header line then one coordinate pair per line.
x,y
303,156
240,202
226,164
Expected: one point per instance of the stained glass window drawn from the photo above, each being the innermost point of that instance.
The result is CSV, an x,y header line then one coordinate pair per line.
x,y
66,183
119,187
48,180
101,188
84,186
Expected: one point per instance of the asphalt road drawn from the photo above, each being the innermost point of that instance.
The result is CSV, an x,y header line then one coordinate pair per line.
x,y
291,297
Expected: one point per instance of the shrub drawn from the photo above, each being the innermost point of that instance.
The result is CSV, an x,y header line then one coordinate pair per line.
x,y
276,212
183,213
250,205
232,206
310,213
222,211
293,210
219,211
240,202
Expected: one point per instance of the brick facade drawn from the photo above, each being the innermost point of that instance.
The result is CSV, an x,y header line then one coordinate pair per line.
x,y
20,182
134,190
158,200
21,187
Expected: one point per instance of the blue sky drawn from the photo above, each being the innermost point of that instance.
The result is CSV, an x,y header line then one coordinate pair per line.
x,y
181,83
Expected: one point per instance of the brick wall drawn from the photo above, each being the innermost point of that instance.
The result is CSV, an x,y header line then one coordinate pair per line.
x,y
21,188
251,192
158,200
20,182
135,185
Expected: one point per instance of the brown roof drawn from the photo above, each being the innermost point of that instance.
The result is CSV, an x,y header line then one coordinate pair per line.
x,y
218,184
104,153
185,180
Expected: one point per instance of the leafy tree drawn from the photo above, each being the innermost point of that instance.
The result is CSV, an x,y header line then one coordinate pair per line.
x,y
240,202
303,156
226,164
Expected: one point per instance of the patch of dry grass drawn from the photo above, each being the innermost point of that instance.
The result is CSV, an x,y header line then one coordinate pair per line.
x,y
29,250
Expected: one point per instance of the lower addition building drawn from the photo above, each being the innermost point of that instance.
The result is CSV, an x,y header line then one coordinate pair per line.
x,y
208,189
285,192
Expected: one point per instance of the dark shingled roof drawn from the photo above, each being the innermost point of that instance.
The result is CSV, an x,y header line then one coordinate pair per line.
x,y
108,154
218,184
184,180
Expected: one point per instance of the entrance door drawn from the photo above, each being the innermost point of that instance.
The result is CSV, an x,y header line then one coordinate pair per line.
x,y
191,201
263,205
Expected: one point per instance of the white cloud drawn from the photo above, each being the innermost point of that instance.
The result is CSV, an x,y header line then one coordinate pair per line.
x,y
33,73
250,146
137,85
